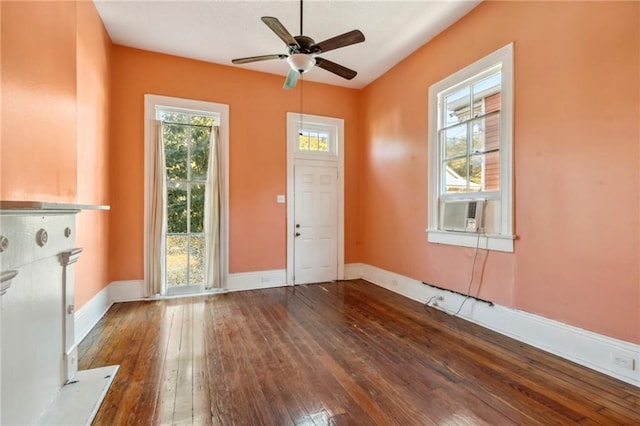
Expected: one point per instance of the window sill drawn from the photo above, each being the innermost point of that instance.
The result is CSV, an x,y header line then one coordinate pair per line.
x,y
463,239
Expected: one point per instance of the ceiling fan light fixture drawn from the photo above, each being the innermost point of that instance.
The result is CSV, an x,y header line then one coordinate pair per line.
x,y
301,62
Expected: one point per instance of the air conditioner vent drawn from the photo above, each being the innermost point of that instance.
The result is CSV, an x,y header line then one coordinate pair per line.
x,y
462,215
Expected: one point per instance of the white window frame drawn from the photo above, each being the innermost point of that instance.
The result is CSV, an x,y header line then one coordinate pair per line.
x,y
221,112
319,124
502,241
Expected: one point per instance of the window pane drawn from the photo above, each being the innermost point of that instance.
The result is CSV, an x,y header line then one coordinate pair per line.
x,y
303,141
455,172
487,91
174,117
176,208
200,137
176,259
323,142
314,141
455,141
457,107
196,260
477,136
201,120
485,134
175,150
484,172
197,207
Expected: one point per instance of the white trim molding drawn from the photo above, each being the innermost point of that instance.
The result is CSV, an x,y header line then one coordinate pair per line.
x,y
241,281
151,103
584,347
90,313
501,59
335,127
127,291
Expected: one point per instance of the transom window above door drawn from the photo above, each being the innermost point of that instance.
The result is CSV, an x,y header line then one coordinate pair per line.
x,y
315,141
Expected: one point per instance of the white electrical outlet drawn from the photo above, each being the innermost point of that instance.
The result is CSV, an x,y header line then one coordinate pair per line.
x,y
623,361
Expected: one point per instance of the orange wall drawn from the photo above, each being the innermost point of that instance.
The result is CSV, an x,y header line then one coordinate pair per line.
x,y
38,160
576,147
55,76
257,169
93,47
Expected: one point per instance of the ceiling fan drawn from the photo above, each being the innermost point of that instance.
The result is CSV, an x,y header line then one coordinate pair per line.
x,y
303,51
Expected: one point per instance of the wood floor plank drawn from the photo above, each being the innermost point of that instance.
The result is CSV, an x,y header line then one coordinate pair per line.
x,y
333,354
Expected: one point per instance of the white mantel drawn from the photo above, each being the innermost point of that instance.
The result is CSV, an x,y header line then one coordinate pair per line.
x,y
38,355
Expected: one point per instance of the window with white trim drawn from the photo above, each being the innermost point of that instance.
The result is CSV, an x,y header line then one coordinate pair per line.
x,y
315,141
470,155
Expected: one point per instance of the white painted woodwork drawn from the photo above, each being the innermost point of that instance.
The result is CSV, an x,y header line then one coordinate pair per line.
x,y
221,111
500,235
37,337
78,402
315,218
334,127
68,258
33,313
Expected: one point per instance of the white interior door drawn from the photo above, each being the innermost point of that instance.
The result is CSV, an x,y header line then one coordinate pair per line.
x,y
315,224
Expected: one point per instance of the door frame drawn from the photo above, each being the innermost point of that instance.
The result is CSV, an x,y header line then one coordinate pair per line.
x,y
336,128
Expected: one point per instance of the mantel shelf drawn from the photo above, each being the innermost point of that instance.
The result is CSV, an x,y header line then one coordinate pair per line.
x,y
45,205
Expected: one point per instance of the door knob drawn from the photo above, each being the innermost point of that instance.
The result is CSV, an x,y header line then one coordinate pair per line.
x,y
297,234
297,225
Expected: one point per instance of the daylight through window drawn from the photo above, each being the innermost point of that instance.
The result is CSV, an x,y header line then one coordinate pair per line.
x,y
470,155
186,140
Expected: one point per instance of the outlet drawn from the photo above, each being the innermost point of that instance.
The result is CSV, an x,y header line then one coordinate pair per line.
x,y
265,279
394,283
623,361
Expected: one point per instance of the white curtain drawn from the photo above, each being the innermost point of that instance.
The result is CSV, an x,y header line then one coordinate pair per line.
x,y
212,213
157,216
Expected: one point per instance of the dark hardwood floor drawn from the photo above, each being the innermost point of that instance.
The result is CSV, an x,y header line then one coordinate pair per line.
x,y
341,353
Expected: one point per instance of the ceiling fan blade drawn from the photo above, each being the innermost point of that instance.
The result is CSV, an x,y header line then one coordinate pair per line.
x,y
337,69
277,27
346,39
258,58
292,79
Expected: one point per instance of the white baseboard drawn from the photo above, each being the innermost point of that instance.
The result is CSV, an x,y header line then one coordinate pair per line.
x,y
584,347
90,313
256,280
352,271
126,291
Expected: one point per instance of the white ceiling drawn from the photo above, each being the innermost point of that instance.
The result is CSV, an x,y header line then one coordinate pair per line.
x,y
221,30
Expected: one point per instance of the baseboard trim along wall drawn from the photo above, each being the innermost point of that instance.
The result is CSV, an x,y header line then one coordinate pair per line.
x,y
90,313
584,347
240,281
128,291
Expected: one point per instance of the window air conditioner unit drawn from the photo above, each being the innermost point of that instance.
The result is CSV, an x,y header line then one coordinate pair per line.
x,y
462,216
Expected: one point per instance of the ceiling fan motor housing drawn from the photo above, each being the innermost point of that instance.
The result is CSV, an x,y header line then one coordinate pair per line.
x,y
304,45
